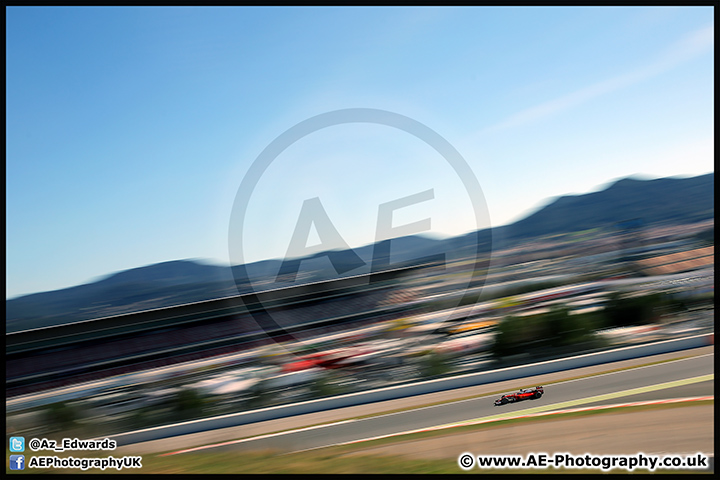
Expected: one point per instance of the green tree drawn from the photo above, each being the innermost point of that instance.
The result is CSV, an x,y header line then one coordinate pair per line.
x,y
542,333
508,335
61,416
434,364
187,404
623,311
324,387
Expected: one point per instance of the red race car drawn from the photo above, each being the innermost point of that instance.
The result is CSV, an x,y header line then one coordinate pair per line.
x,y
523,394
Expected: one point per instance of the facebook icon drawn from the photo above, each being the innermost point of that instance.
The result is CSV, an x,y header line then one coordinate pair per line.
x,y
17,462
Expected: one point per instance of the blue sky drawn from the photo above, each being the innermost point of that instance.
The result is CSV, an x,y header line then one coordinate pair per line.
x,y
129,130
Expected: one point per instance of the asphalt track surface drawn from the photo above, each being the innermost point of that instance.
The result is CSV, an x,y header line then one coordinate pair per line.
x,y
611,388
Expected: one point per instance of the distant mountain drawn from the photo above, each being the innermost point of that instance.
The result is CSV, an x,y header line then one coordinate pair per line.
x,y
667,200
162,284
663,200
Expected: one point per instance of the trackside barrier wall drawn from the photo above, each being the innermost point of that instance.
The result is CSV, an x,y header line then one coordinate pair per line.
x,y
401,391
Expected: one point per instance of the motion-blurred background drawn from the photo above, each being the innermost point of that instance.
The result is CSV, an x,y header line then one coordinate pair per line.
x,y
130,131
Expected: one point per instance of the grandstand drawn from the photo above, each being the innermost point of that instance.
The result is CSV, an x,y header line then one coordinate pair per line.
x,y
678,262
82,351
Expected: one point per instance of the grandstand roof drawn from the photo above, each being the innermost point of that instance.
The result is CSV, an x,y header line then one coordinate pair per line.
x,y
149,320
